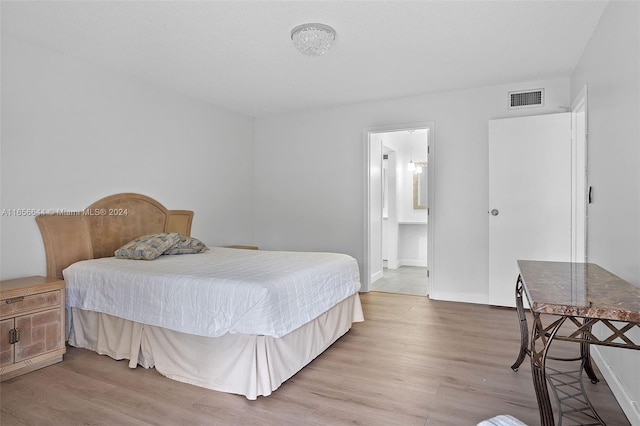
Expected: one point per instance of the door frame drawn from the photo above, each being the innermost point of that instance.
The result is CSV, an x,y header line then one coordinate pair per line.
x,y
367,133
579,176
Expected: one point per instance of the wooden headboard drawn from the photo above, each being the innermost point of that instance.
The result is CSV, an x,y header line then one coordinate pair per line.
x,y
105,226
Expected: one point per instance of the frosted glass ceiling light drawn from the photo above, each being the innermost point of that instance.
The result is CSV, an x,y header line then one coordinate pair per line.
x,y
313,39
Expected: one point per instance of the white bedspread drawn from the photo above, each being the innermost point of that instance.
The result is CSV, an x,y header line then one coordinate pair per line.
x,y
220,291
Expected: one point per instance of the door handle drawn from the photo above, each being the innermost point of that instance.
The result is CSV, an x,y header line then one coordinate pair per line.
x,y
494,212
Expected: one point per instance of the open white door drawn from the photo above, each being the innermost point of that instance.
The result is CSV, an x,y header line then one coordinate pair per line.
x,y
529,197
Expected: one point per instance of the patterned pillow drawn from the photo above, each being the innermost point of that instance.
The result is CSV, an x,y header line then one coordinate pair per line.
x,y
187,245
148,247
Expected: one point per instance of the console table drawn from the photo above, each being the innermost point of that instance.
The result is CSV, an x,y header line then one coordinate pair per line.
x,y
577,296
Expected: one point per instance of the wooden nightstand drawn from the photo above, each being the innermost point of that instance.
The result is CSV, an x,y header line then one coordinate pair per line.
x,y
32,331
243,247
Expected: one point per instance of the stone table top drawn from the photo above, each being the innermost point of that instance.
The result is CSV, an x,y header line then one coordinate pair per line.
x,y
579,289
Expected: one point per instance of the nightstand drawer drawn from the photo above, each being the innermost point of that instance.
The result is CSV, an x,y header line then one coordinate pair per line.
x,y
17,305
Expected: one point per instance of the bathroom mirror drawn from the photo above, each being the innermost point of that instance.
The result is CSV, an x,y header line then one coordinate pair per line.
x,y
420,187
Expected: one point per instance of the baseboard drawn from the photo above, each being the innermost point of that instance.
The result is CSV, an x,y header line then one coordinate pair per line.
x,y
481,299
376,276
628,405
392,265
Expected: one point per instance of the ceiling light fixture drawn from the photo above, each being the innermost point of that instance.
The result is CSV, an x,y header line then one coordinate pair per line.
x,y
313,39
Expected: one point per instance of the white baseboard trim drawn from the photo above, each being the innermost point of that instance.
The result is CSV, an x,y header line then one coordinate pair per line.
x,y
376,276
481,299
628,405
392,264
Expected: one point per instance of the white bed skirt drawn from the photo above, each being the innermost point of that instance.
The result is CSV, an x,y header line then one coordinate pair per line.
x,y
243,364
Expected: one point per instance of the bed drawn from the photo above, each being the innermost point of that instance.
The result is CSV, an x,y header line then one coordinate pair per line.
x,y
232,320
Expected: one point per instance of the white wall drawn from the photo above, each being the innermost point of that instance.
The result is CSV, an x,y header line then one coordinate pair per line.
x,y
610,65
413,244
73,133
613,79
309,177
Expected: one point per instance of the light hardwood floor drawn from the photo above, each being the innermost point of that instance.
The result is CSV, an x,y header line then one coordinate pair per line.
x,y
414,361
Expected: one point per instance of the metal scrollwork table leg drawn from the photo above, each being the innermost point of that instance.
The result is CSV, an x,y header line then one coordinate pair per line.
x,y
524,332
537,349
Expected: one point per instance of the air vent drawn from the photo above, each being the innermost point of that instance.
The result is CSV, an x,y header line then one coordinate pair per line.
x,y
526,99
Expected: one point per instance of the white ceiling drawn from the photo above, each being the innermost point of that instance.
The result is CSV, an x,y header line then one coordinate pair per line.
x,y
238,55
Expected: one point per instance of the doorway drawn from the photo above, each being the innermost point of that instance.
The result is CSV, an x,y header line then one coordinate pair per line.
x,y
399,209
